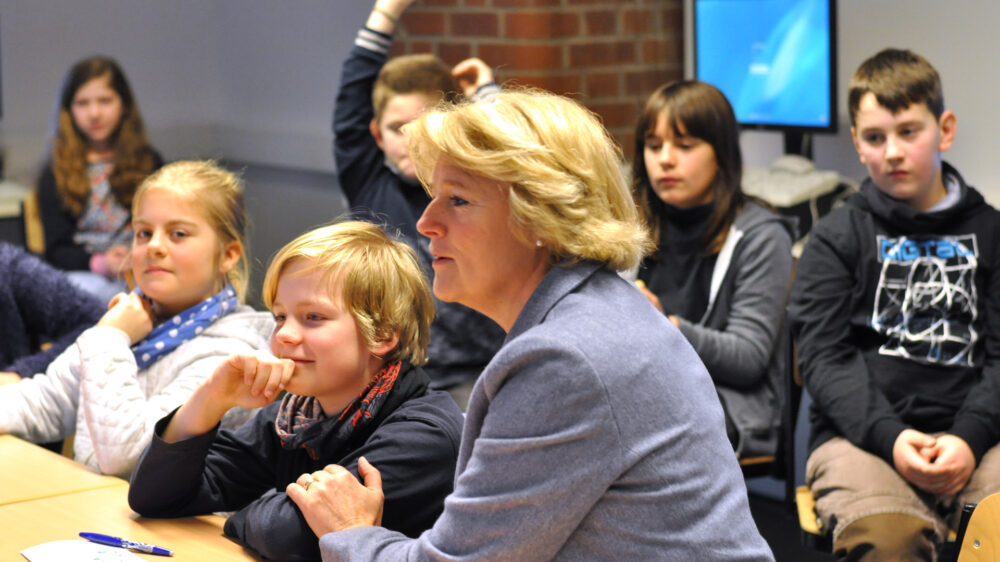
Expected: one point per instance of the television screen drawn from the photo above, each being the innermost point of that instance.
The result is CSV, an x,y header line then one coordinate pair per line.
x,y
774,59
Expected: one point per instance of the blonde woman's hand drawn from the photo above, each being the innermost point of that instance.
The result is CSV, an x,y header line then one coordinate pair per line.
x,y
471,74
333,500
131,314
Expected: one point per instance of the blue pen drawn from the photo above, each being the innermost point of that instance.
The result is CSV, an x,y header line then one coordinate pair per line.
x,y
125,543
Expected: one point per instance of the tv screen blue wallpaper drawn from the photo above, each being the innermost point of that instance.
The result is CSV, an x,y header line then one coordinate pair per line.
x,y
770,57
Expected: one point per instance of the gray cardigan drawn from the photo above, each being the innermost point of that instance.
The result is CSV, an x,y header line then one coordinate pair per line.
x,y
739,336
584,441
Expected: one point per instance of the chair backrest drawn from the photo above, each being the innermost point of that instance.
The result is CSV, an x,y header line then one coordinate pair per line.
x,y
793,401
34,236
781,465
981,539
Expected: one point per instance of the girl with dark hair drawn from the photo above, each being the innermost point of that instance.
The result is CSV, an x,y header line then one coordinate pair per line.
x,y
98,157
723,260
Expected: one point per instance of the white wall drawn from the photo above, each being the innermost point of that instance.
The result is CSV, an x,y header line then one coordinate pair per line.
x,y
250,80
960,38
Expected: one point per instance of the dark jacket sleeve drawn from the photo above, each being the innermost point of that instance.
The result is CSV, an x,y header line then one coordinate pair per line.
x,y
51,308
415,450
825,293
216,471
58,226
977,421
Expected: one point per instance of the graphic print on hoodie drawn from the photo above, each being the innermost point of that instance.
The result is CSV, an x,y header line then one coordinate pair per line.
x,y
926,301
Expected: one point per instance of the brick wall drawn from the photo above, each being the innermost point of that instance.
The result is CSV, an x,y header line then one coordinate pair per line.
x,y
609,54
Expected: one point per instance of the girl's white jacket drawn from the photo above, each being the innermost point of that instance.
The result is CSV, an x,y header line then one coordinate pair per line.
x,y
95,391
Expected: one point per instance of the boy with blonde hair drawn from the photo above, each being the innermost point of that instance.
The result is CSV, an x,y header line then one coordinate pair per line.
x,y
377,97
352,310
896,307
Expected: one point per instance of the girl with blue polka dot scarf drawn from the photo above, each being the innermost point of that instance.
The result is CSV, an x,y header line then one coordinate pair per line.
x,y
156,344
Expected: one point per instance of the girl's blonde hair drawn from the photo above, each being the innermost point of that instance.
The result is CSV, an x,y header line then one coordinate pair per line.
x,y
218,193
133,157
380,280
567,188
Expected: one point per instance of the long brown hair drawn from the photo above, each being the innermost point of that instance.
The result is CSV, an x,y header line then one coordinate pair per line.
x,y
702,111
132,158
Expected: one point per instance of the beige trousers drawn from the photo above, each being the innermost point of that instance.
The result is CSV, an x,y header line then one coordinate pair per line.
x,y
851,485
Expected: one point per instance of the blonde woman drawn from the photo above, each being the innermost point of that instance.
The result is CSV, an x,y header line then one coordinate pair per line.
x,y
582,438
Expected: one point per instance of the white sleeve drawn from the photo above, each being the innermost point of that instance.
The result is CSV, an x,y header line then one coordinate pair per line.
x,y
121,404
42,408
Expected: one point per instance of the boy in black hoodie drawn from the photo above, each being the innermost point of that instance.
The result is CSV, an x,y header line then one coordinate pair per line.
x,y
896,308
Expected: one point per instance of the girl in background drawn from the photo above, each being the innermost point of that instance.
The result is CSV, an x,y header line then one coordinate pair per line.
x,y
153,347
723,261
99,156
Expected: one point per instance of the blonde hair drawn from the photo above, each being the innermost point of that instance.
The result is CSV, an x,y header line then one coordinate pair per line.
x,y
218,193
381,283
567,188
413,74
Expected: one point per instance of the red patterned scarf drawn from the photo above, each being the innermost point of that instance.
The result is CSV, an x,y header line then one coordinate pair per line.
x,y
298,413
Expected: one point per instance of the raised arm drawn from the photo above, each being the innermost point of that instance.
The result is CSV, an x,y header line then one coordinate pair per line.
x,y
357,156
385,15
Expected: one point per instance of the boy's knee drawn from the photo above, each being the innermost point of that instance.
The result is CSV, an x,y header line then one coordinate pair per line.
x,y
886,536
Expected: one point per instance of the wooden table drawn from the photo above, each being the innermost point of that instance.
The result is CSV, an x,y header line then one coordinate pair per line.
x,y
29,472
105,510
47,497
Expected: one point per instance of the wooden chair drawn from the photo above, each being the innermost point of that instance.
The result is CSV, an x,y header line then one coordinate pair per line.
x,y
813,534
978,536
34,236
